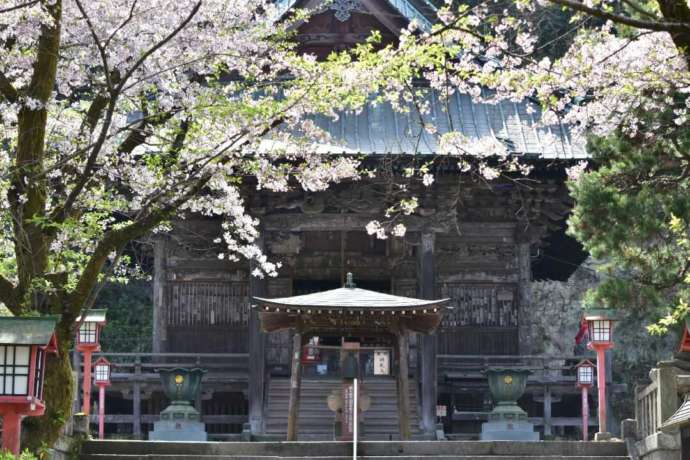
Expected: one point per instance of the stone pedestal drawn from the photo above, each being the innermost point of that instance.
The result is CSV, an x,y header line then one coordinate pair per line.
x,y
179,422
659,446
508,423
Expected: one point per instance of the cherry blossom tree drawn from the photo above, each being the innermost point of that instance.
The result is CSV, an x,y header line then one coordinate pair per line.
x,y
117,115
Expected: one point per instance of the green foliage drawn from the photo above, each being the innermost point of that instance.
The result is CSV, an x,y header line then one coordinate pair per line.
x,y
130,321
633,213
26,455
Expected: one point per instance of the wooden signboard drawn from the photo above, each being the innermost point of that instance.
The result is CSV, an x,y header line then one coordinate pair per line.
x,y
382,362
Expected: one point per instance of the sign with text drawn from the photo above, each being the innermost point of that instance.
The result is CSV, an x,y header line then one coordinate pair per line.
x,y
382,362
348,413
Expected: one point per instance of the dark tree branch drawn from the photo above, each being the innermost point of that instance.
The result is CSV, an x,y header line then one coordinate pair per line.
x,y
7,89
659,26
124,23
8,294
16,7
99,45
638,9
115,240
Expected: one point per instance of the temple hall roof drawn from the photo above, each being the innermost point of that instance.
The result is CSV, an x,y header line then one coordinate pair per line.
x,y
379,129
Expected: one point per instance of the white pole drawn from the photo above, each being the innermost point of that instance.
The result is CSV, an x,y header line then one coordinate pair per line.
x,y
354,427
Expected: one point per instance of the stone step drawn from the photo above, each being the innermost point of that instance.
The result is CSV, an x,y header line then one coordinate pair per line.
x,y
241,457
403,449
316,420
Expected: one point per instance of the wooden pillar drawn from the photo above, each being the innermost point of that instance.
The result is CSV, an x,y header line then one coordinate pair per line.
x,y
295,387
403,385
524,296
76,365
136,399
547,410
429,343
257,356
160,253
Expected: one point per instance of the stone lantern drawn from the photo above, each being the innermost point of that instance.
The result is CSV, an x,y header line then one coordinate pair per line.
x,y
88,342
585,380
102,380
24,344
600,329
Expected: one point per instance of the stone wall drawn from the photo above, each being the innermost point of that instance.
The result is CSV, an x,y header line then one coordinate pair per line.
x,y
554,316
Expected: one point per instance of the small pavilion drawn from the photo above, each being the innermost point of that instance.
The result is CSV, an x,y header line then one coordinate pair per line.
x,y
347,312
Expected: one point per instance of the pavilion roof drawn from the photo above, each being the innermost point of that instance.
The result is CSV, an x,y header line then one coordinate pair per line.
x,y
94,316
350,309
35,330
350,297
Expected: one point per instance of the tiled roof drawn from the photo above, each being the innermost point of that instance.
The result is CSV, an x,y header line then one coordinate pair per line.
x,y
94,316
680,418
379,129
421,10
27,331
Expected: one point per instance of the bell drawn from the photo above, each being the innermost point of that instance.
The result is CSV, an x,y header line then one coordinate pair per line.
x,y
350,367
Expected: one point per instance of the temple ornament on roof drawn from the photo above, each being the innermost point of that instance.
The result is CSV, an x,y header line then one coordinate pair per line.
x,y
344,8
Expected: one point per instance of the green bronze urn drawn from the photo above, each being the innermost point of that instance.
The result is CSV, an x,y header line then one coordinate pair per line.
x,y
507,385
507,421
181,385
180,421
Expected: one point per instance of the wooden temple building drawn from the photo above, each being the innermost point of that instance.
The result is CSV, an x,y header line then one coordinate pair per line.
x,y
470,241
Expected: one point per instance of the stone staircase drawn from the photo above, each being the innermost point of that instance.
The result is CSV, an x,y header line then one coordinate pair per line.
x,y
367,450
380,422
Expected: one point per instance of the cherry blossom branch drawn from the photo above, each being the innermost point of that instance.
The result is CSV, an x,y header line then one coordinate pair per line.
x,y
99,45
124,23
659,26
159,45
63,211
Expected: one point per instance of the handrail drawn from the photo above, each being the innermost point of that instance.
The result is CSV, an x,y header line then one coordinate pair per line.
x,y
173,355
513,357
354,426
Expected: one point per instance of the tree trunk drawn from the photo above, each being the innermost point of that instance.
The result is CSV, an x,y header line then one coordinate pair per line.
x,y
678,11
59,390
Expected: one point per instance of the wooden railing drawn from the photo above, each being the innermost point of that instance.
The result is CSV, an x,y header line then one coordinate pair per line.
x,y
124,364
545,369
135,369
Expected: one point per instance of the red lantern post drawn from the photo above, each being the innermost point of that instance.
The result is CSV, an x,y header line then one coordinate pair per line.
x,y
599,327
24,344
102,380
585,380
88,341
